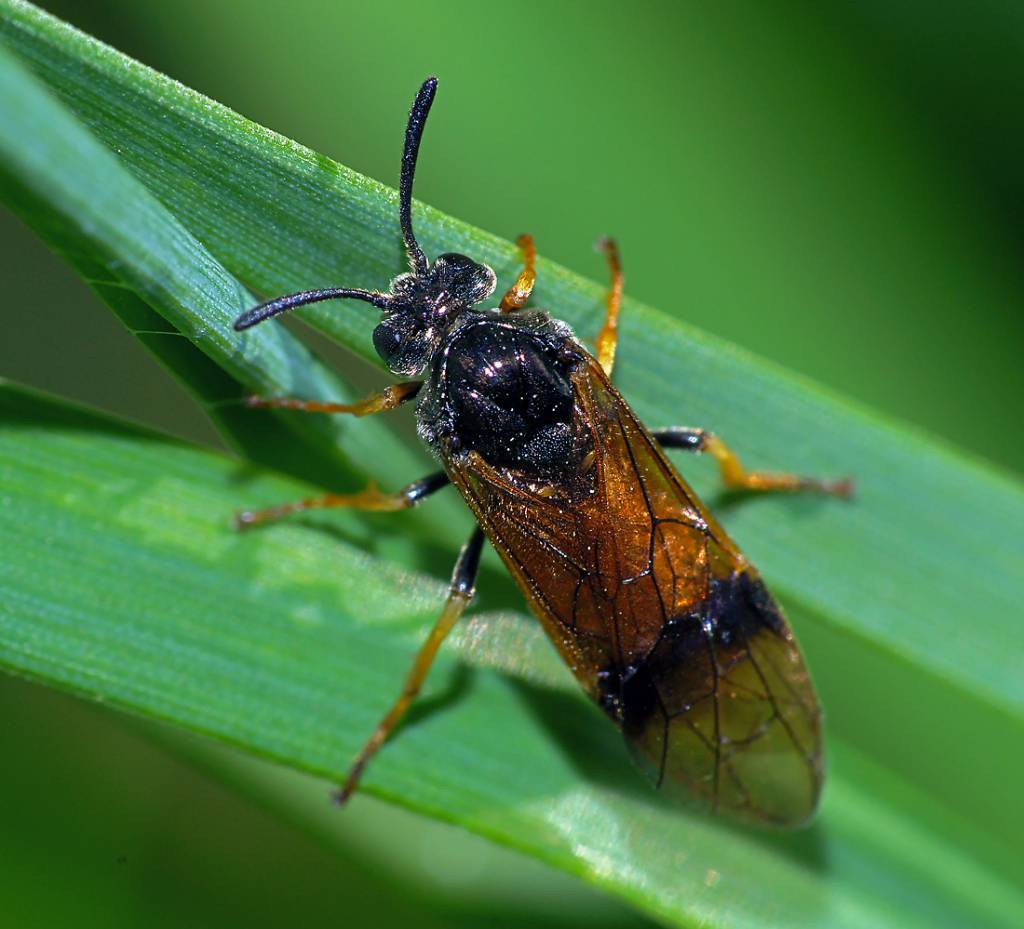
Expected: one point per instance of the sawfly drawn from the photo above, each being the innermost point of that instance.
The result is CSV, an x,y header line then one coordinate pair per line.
x,y
663,621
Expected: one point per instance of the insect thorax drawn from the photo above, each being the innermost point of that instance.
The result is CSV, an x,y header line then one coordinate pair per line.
x,y
500,385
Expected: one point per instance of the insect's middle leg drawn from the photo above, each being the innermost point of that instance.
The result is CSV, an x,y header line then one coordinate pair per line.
x,y
388,399
460,593
733,473
516,296
370,499
608,337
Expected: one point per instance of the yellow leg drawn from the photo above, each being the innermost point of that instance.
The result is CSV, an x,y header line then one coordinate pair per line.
x,y
389,398
608,337
516,296
733,473
369,500
459,596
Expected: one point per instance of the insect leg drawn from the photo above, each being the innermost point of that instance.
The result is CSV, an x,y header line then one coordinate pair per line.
x,y
459,595
608,337
369,499
516,296
389,398
735,475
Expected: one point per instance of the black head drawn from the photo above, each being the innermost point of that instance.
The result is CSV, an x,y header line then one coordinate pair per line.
x,y
421,305
423,308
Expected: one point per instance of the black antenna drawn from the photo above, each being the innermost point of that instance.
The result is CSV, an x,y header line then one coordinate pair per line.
x,y
283,304
413,134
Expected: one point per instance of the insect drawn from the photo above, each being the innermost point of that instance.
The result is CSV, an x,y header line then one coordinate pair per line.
x,y
664,622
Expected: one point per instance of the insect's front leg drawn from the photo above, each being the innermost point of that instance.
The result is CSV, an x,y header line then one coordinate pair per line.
x,y
733,473
388,399
516,296
608,337
460,593
369,499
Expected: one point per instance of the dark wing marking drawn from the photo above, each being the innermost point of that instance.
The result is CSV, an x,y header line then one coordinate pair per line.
x,y
724,705
658,614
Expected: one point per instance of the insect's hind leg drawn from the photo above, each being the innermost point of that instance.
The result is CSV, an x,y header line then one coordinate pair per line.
x,y
608,337
388,399
370,499
733,473
460,593
516,296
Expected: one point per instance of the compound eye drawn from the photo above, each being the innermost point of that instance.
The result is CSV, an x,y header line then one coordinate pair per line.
x,y
402,344
389,336
386,340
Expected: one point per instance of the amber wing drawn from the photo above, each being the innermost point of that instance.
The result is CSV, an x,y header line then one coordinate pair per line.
x,y
663,621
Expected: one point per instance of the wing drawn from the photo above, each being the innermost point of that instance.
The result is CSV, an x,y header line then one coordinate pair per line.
x,y
657,613
723,705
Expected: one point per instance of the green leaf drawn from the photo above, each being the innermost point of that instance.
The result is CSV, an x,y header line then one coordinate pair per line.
x,y
289,641
139,258
125,583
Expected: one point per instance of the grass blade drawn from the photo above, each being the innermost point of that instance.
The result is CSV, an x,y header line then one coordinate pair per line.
x,y
878,590
288,642
282,218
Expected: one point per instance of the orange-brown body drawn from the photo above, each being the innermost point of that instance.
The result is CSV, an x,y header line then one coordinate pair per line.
x,y
660,617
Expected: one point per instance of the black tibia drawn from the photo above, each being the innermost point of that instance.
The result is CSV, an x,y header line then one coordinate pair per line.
x,y
424,487
680,437
460,593
468,565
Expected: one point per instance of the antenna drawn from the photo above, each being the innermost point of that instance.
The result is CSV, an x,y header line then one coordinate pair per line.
x,y
283,304
413,134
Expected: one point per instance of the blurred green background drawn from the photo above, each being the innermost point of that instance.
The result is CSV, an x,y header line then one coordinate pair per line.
x,y
836,186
